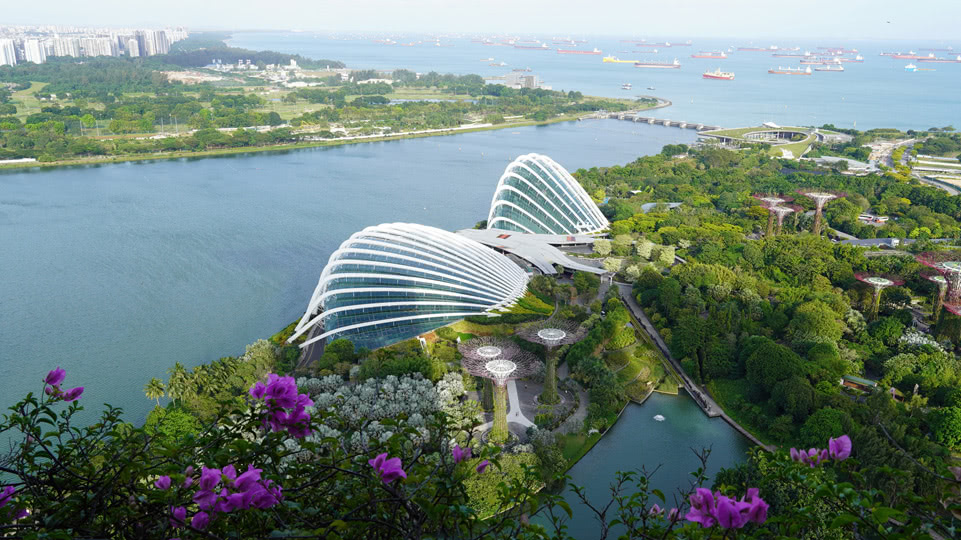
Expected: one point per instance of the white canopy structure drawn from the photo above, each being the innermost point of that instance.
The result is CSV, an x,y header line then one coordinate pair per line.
x,y
395,281
536,195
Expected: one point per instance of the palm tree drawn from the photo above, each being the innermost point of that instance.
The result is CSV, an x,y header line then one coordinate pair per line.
x,y
154,389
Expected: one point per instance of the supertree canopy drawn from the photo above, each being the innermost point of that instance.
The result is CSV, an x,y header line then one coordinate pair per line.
x,y
770,202
948,264
878,282
552,333
820,198
781,212
499,360
942,284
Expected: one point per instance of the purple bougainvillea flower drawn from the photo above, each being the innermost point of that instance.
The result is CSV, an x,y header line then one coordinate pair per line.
x,y
205,499
179,518
200,520
702,508
209,478
188,481
6,495
389,469
757,511
840,448
795,455
482,466
460,454
73,394
655,510
248,478
729,513
672,514
257,390
55,377
162,483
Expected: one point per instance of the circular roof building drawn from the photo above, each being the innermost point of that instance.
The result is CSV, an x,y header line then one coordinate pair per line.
x,y
536,195
394,281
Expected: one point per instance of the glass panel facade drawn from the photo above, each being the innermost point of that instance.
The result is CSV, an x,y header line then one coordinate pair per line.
x,y
393,282
537,195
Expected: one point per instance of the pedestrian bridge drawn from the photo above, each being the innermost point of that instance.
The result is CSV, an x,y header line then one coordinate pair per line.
x,y
637,118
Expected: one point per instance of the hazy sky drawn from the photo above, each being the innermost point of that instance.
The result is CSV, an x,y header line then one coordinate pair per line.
x,y
839,19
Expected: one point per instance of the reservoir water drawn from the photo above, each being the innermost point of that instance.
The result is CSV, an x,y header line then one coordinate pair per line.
x,y
637,440
875,93
116,272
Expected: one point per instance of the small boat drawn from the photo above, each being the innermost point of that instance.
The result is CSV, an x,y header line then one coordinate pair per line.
x,y
626,86
498,64
651,88
910,67
659,418
491,59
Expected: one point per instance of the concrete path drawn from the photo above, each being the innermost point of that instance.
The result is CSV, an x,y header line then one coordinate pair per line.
x,y
580,414
514,413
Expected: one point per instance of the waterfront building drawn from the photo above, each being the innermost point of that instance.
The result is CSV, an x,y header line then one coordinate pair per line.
x,y
394,281
536,195
34,51
8,53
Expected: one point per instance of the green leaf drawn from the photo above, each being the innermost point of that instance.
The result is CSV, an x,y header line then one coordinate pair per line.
x,y
842,520
883,513
659,494
567,508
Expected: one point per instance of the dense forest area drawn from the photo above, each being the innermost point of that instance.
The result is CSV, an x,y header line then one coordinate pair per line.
x,y
770,323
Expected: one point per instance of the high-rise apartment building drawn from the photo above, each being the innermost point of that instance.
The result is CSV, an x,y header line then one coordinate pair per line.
x,y
8,53
34,51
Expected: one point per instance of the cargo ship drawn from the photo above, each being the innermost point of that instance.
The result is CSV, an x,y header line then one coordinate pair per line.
x,y
857,59
759,49
645,45
685,44
715,55
575,51
626,86
911,56
790,71
658,65
829,68
949,49
541,47
616,60
806,54
648,51
717,74
955,60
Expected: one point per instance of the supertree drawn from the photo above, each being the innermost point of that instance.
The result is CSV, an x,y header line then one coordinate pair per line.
x,y
942,284
499,360
948,264
770,202
782,212
552,333
820,199
879,282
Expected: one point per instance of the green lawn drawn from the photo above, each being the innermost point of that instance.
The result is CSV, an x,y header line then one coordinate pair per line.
x,y
25,101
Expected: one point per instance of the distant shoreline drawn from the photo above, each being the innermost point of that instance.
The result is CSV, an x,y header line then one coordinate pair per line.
x,y
99,160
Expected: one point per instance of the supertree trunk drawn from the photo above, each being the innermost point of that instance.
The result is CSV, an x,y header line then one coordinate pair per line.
x,y
875,304
770,223
938,301
487,394
549,395
817,223
498,434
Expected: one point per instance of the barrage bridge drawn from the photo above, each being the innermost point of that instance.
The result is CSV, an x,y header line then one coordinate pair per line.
x,y
636,117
